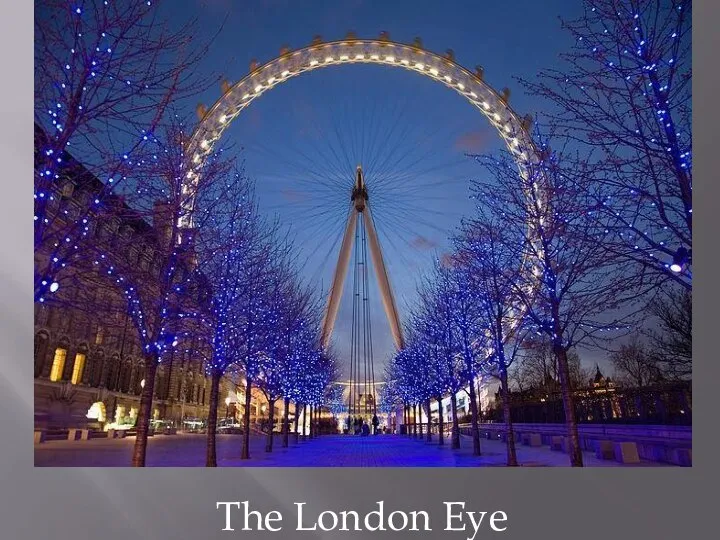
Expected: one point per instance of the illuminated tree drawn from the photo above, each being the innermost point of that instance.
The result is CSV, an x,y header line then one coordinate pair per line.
x,y
232,238
623,98
404,380
298,346
164,288
292,348
575,287
255,330
467,326
450,370
105,76
419,368
495,270
396,392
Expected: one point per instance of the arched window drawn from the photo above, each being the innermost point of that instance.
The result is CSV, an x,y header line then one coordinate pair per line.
x,y
125,375
178,386
138,378
189,389
98,361
160,384
58,365
79,365
112,372
41,346
99,335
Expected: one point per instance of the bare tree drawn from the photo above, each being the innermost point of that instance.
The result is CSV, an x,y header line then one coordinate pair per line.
x,y
495,269
671,341
255,324
624,97
467,323
538,367
573,288
105,76
231,238
451,369
164,288
633,366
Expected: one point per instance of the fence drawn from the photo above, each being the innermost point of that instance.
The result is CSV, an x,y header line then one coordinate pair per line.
x,y
660,405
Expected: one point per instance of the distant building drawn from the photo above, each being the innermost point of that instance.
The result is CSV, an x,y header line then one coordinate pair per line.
x,y
600,383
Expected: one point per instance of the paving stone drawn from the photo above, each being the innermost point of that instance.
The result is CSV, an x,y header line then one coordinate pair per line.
x,y
188,450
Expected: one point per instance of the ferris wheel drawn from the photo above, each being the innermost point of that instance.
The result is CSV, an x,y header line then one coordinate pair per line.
x,y
367,189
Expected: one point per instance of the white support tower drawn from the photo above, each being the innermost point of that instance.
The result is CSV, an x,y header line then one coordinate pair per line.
x,y
360,210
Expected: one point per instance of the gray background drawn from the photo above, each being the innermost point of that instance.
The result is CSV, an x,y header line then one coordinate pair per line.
x,y
180,503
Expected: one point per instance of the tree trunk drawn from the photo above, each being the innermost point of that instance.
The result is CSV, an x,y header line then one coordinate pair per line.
x,y
429,421
245,454
576,459
286,424
455,432
310,424
305,421
297,423
271,426
414,420
474,428
511,453
418,408
143,418
441,423
408,428
211,452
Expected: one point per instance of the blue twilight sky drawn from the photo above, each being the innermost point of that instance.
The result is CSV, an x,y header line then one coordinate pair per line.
x,y
302,140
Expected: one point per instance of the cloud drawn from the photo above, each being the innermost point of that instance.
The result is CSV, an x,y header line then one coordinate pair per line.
x,y
293,196
254,118
473,142
422,243
447,260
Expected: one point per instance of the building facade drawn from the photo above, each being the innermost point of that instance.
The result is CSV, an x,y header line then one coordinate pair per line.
x,y
88,364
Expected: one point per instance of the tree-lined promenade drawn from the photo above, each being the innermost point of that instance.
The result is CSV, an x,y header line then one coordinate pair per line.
x,y
569,252
578,250
229,286
325,451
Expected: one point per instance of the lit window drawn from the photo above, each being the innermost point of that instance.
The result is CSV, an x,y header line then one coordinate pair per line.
x,y
58,365
78,368
99,335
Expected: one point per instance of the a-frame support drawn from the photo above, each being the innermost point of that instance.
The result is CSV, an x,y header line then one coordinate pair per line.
x,y
360,205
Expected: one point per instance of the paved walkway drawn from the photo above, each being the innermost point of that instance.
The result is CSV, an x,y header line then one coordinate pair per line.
x,y
327,451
